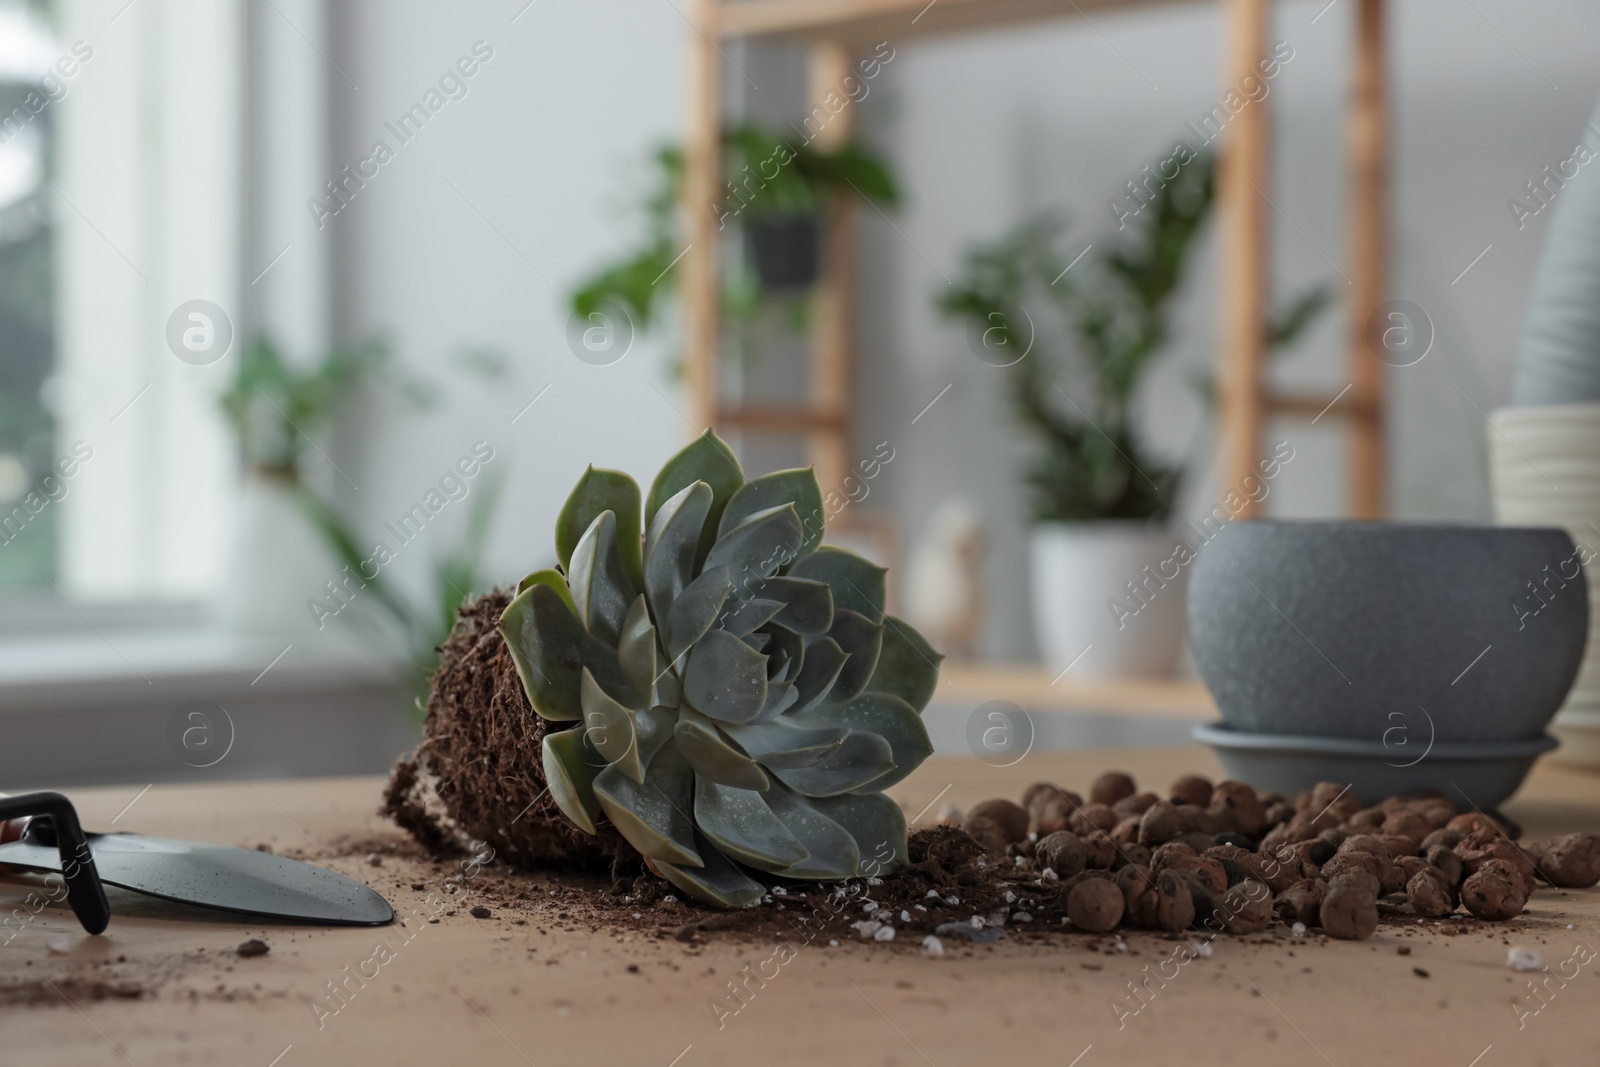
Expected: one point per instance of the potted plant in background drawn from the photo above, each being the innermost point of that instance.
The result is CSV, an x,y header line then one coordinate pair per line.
x,y
775,189
273,408
291,538
1075,350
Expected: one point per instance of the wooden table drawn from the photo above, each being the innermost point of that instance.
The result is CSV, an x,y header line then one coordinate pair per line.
x,y
487,992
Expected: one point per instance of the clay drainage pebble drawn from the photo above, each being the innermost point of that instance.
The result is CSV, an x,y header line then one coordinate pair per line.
x,y
1214,859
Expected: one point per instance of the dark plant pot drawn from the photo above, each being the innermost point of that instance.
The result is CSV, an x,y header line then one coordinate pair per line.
x,y
786,250
1399,635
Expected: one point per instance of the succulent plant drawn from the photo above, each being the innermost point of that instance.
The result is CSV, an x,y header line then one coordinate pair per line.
x,y
741,699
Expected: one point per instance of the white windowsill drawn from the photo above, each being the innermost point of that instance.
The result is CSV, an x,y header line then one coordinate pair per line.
x,y
70,667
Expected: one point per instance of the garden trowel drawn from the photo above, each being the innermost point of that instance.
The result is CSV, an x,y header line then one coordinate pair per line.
x,y
238,880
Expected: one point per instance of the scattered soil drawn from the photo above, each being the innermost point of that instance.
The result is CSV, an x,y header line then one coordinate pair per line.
x,y
75,989
1208,857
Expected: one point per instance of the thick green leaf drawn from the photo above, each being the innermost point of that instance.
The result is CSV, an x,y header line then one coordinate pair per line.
x,y
554,579
719,883
602,592
786,655
609,727
808,605
858,584
695,611
669,550
597,491
636,654
743,617
654,729
863,640
551,649
781,696
653,815
860,758
824,661
797,487
834,852
569,770
739,823
908,667
887,716
711,756
782,744
877,824
755,549
707,459
669,689
725,678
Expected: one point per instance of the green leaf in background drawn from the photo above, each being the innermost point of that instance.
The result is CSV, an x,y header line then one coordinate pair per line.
x,y
1093,335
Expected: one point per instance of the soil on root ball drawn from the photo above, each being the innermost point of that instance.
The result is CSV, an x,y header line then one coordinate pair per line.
x,y
478,775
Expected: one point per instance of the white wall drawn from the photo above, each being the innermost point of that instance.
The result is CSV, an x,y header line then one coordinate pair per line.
x,y
540,154
987,130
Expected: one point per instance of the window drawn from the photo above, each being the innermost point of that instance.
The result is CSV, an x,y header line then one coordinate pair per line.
x,y
120,202
28,87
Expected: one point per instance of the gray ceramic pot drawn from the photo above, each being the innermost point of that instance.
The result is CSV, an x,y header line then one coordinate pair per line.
x,y
1379,631
1483,774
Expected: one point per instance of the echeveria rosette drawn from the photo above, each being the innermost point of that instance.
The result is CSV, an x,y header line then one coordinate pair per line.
x,y
741,698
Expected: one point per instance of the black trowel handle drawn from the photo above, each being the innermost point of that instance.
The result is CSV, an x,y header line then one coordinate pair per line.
x,y
85,894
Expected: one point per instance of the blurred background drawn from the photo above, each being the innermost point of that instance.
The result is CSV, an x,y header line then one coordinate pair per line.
x,y
312,311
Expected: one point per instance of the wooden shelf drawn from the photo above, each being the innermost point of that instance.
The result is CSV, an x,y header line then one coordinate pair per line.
x,y
780,419
839,32
1031,687
865,22
1313,405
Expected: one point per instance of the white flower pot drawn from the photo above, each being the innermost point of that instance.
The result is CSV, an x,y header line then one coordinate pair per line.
x,y
1543,471
1108,598
279,563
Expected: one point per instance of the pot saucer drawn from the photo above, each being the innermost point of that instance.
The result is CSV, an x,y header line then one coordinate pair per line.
x,y
1476,773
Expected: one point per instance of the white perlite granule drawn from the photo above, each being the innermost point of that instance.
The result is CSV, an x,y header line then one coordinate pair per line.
x,y
1524,959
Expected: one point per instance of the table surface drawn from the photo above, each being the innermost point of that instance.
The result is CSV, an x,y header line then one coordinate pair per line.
x,y
487,991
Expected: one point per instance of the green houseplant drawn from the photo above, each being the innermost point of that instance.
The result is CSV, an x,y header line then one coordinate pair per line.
x,y
711,688
775,189
1075,344
294,542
